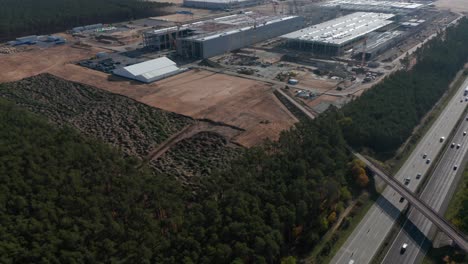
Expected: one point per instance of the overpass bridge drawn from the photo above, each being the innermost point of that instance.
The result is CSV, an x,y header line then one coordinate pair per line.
x,y
457,236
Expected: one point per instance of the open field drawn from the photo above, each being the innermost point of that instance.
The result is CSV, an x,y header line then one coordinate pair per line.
x,y
246,104
187,148
35,61
305,78
454,5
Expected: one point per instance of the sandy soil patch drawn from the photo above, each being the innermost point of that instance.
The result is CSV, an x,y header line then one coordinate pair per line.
x,y
454,5
321,99
235,101
306,79
25,64
243,103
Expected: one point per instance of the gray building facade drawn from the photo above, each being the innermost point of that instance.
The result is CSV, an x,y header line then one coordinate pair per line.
x,y
220,4
209,45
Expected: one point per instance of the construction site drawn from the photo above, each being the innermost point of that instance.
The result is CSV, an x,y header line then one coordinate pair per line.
x,y
224,61
205,39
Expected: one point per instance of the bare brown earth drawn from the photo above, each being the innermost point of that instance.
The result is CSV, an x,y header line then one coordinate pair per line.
x,y
243,103
174,144
247,104
454,5
306,79
322,98
25,64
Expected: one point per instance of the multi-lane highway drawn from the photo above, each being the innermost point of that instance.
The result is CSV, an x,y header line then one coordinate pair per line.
x,y
368,236
458,237
418,231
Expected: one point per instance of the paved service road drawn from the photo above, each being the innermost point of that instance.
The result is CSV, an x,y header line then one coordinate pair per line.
x,y
366,239
418,231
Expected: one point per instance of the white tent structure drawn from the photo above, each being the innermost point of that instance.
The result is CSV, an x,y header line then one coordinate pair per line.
x,y
149,71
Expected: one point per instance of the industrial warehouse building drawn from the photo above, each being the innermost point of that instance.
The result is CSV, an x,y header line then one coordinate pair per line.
x,y
377,43
220,4
149,71
213,37
379,6
333,37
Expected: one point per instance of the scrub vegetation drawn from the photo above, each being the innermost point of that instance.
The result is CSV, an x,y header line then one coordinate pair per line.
x,y
385,116
67,198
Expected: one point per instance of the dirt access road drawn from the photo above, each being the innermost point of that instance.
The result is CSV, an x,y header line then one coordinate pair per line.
x,y
246,104
39,60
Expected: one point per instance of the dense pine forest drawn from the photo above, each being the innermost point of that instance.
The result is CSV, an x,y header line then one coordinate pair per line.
x,y
69,199
66,198
385,116
28,17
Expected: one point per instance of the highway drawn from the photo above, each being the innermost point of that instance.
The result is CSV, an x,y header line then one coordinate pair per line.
x,y
418,231
458,237
365,240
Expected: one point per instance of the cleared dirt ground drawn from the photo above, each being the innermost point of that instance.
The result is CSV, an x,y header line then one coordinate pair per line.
x,y
306,79
239,102
243,103
454,5
25,64
321,99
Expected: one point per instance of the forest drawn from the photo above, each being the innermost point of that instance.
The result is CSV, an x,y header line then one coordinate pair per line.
x,y
385,116
29,17
459,213
68,198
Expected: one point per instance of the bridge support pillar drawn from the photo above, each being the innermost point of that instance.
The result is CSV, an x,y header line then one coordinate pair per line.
x,y
442,240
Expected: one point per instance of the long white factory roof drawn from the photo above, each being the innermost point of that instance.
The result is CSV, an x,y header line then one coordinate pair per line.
x,y
236,30
383,4
148,71
231,24
341,30
217,1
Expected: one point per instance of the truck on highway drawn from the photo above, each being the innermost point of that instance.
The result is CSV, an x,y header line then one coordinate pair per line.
x,y
466,91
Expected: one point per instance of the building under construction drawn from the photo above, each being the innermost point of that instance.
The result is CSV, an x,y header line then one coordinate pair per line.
x,y
221,4
377,43
333,37
213,37
373,6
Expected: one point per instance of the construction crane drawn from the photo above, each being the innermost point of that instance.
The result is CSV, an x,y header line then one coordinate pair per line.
x,y
296,10
174,40
364,46
274,4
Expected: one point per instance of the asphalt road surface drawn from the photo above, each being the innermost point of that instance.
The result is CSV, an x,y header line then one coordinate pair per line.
x,y
365,240
418,231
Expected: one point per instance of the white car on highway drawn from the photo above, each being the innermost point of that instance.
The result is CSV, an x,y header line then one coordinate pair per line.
x,y
403,248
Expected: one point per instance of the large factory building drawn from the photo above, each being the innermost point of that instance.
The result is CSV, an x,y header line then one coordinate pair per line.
x,y
220,4
333,37
213,37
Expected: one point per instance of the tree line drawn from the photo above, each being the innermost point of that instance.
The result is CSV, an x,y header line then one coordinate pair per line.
x,y
385,116
66,198
29,17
